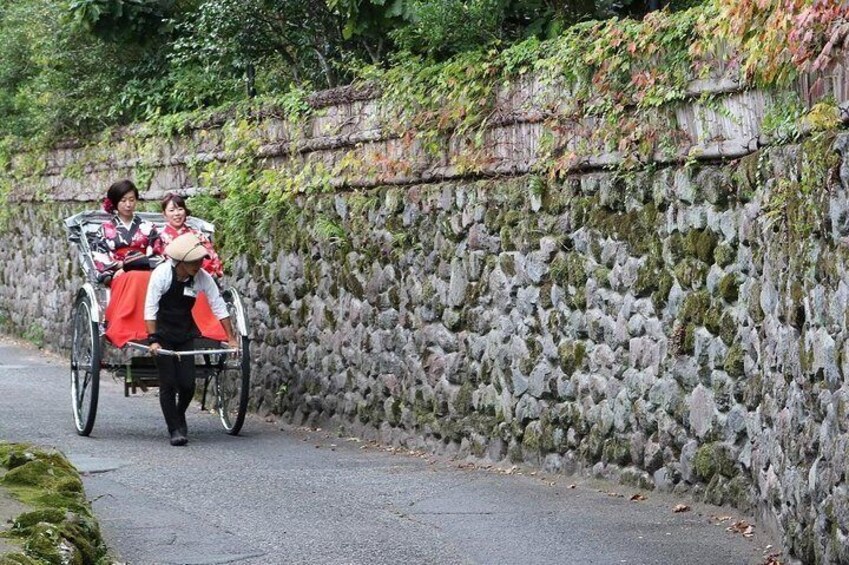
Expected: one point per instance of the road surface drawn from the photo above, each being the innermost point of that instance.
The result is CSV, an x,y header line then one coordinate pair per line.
x,y
278,495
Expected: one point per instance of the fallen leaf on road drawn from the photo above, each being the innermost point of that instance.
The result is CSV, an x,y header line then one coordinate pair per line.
x,y
772,559
681,508
742,527
638,497
616,494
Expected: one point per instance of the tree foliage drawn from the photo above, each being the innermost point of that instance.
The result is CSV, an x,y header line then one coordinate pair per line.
x,y
73,66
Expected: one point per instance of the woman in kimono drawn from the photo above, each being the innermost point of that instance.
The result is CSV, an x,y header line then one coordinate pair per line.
x,y
175,211
122,243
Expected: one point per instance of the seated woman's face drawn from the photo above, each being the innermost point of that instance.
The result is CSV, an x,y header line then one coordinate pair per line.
x,y
127,205
175,215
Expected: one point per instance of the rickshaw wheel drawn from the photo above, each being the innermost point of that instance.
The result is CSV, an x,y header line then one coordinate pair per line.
x,y
232,382
85,366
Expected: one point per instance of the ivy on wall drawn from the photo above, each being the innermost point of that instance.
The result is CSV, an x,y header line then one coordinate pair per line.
x,y
621,76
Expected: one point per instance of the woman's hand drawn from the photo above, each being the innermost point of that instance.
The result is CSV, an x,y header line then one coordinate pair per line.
x,y
154,348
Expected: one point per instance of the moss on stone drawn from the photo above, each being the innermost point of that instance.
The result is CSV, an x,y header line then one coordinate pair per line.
x,y
691,272
675,246
688,345
694,307
569,270
508,264
545,295
712,459
60,528
578,299
727,328
664,286
581,207
712,318
616,451
463,400
571,355
637,228
700,244
724,255
753,303
648,277
729,288
796,310
745,176
734,361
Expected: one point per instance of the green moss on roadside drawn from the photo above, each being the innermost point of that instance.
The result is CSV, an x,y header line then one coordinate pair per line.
x,y
60,527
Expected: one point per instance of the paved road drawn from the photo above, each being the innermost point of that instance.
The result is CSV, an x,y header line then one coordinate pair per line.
x,y
275,496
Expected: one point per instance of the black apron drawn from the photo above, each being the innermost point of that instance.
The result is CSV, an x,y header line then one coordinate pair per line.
x,y
174,322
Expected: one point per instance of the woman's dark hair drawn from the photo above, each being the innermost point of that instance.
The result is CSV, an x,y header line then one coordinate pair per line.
x,y
120,189
178,201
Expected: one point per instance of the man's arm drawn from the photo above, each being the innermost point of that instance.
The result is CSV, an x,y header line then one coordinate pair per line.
x,y
150,326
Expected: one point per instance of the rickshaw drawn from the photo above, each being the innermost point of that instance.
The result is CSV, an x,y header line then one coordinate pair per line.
x,y
225,372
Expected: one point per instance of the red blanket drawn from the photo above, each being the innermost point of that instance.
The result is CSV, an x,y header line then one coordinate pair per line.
x,y
125,312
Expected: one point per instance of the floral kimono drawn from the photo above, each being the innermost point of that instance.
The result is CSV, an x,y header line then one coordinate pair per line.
x,y
117,242
211,264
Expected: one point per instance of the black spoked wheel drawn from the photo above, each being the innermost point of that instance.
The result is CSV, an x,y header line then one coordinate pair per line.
x,y
232,381
85,366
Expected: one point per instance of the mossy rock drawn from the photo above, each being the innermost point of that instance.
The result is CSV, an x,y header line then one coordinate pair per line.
x,y
714,459
734,361
571,355
544,295
753,303
60,528
463,400
724,255
581,208
578,299
796,310
616,451
25,522
691,272
508,264
712,318
695,307
688,345
675,246
648,277
664,287
729,288
569,270
745,176
728,328
700,244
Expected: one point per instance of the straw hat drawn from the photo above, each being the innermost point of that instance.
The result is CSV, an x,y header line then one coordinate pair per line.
x,y
187,247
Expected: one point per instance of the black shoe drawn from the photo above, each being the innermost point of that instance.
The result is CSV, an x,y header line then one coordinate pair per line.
x,y
182,427
178,438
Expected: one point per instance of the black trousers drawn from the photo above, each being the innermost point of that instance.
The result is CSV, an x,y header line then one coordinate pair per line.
x,y
176,384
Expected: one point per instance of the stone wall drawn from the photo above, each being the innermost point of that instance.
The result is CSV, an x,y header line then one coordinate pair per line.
x,y
681,329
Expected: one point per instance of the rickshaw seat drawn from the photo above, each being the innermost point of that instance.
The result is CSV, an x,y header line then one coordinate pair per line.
x,y
125,311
